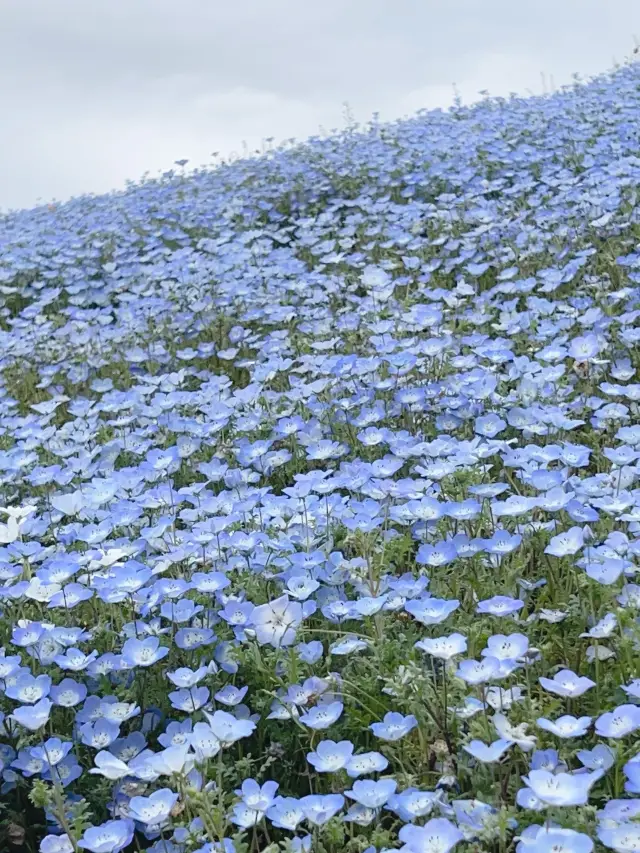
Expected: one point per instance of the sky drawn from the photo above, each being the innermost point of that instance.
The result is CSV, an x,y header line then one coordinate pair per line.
x,y
97,92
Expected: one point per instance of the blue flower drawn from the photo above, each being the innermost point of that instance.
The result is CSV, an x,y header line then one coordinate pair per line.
x,y
33,717
143,652
227,728
366,762
444,648
487,754
560,840
372,795
258,797
322,716
275,623
394,726
561,789
285,813
567,683
431,611
620,722
566,726
500,605
110,837
567,543
438,834
330,756
318,808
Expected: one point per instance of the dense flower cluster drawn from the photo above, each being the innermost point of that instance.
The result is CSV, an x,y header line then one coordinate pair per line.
x,y
320,485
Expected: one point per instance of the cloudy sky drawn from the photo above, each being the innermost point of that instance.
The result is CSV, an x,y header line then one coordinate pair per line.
x,y
95,92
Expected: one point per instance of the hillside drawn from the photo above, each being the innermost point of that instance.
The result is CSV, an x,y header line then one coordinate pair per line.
x,y
319,481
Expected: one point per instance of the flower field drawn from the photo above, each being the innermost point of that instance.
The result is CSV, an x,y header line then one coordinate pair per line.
x,y
320,487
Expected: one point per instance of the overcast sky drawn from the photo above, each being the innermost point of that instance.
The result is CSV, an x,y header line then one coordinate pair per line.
x,y
95,92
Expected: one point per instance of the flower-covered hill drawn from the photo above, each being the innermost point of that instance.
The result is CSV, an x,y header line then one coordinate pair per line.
x,y
320,485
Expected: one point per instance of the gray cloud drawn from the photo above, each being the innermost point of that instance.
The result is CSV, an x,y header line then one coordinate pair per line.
x,y
94,93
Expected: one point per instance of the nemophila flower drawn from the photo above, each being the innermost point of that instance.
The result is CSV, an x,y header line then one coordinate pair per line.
x,y
606,572
394,726
566,726
506,647
623,838
52,751
64,772
118,712
329,756
185,677
310,691
246,817
258,797
413,803
619,811
176,760
110,837
202,740
126,748
438,835
109,766
365,763
632,773
561,789
440,554
33,717
193,638
513,733
370,794
68,693
630,596
632,689
176,734
547,759
567,543
99,734
489,425
567,683
227,728
500,605
431,611
526,799
620,722
181,610
503,698
74,660
143,652
69,596
487,754
478,672
559,840
513,507
602,629
56,844
584,348
231,695
285,813
301,587
444,648
348,646
322,716
28,688
28,764
318,809
189,700
275,623
601,757
310,652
